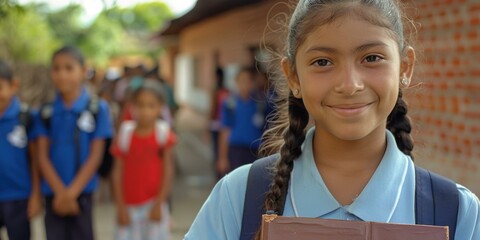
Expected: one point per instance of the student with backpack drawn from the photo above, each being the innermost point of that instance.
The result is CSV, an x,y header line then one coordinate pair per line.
x,y
20,198
345,67
72,132
242,121
143,169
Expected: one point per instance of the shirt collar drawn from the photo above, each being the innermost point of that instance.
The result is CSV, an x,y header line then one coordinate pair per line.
x,y
12,110
79,105
313,199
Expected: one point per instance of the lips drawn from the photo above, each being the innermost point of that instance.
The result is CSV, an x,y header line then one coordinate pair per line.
x,y
349,110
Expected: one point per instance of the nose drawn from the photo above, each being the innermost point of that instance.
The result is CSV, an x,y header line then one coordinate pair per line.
x,y
350,81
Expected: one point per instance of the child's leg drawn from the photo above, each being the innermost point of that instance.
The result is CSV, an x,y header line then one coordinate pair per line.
x,y
136,229
81,226
55,226
160,230
16,220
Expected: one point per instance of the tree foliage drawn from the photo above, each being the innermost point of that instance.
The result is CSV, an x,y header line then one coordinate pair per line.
x,y
30,33
25,35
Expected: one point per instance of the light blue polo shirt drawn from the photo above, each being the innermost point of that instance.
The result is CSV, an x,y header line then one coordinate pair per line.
x,y
15,181
61,134
388,197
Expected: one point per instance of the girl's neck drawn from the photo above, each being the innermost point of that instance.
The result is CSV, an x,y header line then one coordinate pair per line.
x,y
70,97
349,156
144,129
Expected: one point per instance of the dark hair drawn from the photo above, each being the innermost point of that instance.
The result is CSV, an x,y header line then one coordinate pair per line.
x,y
72,52
291,118
6,72
151,86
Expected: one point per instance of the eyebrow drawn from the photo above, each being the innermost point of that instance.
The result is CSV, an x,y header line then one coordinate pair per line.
x,y
358,49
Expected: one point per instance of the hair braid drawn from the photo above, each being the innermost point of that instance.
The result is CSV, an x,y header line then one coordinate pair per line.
x,y
291,149
399,124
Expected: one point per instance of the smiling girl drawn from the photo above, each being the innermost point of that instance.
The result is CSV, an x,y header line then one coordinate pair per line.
x,y
345,67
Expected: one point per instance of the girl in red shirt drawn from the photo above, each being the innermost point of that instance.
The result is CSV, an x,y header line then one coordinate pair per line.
x,y
143,170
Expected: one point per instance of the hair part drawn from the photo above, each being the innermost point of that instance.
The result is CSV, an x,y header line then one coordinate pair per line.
x,y
73,52
6,72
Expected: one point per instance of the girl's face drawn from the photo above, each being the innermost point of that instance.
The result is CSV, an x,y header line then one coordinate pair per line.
x,y
67,73
348,73
147,107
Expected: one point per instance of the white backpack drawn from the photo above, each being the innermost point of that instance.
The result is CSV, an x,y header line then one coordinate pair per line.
x,y
162,130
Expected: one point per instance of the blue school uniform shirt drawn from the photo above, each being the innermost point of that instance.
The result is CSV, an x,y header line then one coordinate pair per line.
x,y
388,197
15,180
244,120
61,134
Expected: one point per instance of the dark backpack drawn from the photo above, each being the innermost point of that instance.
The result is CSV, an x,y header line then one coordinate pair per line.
x,y
436,198
93,107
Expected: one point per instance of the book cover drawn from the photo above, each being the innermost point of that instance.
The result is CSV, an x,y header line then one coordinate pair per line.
x,y
288,228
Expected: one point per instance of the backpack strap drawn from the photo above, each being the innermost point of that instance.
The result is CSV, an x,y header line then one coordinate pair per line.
x,y
94,106
125,134
162,129
24,116
259,180
436,200
46,112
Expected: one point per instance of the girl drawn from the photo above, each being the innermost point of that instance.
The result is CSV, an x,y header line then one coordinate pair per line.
x,y
143,170
20,198
345,66
71,131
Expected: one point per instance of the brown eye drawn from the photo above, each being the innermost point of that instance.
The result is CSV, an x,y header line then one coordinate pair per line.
x,y
322,62
373,58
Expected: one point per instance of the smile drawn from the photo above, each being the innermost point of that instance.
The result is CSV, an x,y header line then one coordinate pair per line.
x,y
349,110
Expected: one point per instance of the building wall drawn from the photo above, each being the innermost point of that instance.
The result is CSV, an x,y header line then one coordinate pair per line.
x,y
446,104
231,34
444,101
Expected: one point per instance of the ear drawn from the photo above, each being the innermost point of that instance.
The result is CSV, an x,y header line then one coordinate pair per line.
x,y
291,76
407,64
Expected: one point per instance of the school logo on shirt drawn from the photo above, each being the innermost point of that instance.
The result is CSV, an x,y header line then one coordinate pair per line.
x,y
86,122
18,137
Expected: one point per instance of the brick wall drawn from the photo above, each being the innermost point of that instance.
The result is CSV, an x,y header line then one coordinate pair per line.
x,y
445,107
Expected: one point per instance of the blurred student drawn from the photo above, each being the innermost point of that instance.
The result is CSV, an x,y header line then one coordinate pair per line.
x,y
221,93
242,124
72,132
143,169
19,178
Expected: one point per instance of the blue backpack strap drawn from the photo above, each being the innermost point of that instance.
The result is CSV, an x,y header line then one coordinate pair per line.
x,y
436,200
259,179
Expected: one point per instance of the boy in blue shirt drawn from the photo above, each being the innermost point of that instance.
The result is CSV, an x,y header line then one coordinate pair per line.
x,y
242,123
19,177
70,148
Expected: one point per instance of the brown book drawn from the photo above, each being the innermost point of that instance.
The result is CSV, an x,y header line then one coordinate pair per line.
x,y
292,228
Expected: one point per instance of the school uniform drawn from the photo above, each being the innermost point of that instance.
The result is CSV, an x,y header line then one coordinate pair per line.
x,y
67,155
246,123
15,177
388,197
